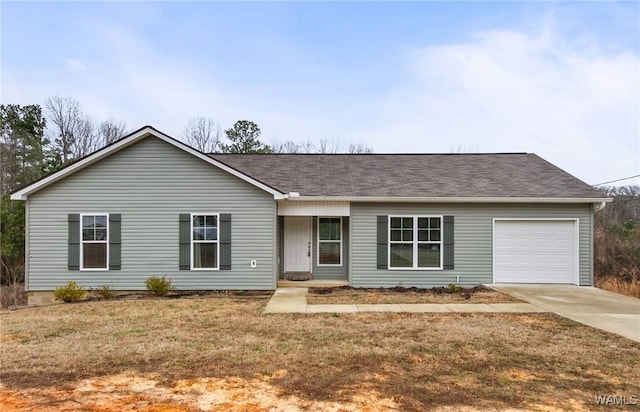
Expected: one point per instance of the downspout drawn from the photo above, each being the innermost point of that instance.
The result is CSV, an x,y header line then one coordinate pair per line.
x,y
599,206
596,208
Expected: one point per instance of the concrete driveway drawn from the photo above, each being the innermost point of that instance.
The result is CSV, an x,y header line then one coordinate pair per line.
x,y
588,305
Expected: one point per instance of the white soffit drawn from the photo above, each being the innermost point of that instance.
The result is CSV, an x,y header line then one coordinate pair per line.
x,y
313,208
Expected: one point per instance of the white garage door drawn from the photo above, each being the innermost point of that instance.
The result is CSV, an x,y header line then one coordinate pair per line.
x,y
535,251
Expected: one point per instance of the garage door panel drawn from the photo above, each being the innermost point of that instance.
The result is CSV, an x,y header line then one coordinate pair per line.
x,y
535,251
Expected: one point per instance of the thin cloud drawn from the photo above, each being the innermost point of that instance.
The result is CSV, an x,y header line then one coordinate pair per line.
x,y
75,65
573,98
512,91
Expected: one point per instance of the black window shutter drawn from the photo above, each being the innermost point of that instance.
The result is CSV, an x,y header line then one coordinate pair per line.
x,y
184,239
73,261
225,241
114,241
383,242
448,243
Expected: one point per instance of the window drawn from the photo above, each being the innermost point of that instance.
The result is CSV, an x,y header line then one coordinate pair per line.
x,y
94,251
204,241
415,242
329,241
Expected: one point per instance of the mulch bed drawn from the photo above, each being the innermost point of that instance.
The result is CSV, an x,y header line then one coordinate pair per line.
x,y
453,294
190,294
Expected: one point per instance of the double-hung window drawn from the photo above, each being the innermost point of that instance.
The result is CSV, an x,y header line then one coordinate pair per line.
x,y
204,241
94,251
415,242
329,241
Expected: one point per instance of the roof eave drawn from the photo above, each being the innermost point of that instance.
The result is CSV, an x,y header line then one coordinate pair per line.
x,y
391,199
23,194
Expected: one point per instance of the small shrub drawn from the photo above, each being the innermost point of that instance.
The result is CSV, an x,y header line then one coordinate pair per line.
x,y
103,292
454,288
158,286
71,292
239,292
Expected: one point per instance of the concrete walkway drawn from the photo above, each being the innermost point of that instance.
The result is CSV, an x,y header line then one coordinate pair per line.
x,y
294,300
591,306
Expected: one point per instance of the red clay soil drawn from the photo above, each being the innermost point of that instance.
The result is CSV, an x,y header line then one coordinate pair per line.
x,y
124,393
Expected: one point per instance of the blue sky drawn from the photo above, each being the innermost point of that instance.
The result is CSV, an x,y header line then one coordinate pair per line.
x,y
558,79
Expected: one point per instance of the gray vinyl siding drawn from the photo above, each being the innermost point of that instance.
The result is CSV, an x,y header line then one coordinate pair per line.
x,y
473,241
331,272
150,183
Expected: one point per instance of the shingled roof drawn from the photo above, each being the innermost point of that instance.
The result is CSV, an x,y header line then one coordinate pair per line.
x,y
517,175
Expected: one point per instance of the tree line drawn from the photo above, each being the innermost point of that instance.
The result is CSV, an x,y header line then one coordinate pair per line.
x,y
617,242
204,134
36,141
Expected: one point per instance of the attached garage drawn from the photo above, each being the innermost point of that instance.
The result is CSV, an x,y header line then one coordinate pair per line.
x,y
535,251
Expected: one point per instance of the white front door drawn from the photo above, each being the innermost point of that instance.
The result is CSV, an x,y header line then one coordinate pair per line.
x,y
297,244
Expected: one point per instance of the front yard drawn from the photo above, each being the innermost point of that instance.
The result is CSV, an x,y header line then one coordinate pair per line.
x,y
223,353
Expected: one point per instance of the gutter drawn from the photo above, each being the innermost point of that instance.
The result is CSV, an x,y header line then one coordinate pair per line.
x,y
600,202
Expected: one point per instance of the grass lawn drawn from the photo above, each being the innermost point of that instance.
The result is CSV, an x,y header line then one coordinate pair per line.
x,y
223,353
349,295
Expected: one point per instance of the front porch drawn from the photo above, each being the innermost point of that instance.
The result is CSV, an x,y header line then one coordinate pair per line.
x,y
313,244
314,283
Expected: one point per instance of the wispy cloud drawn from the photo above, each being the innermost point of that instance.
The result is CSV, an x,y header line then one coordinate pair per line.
x,y
513,91
560,81
75,65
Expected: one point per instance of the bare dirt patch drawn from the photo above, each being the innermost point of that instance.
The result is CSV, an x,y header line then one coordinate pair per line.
x,y
400,295
132,392
224,354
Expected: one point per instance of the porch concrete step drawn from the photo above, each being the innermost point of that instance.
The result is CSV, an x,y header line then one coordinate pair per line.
x,y
298,276
314,283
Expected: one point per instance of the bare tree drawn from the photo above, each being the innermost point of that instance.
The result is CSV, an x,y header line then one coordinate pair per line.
x,y
63,113
326,146
289,146
466,148
86,138
625,205
74,132
202,133
111,130
359,148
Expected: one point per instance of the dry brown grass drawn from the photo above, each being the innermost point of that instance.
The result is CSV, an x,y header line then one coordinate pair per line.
x,y
12,296
617,285
415,361
617,251
348,295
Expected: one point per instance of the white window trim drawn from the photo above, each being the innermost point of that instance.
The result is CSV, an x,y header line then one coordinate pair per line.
x,y
82,242
415,242
217,241
328,241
